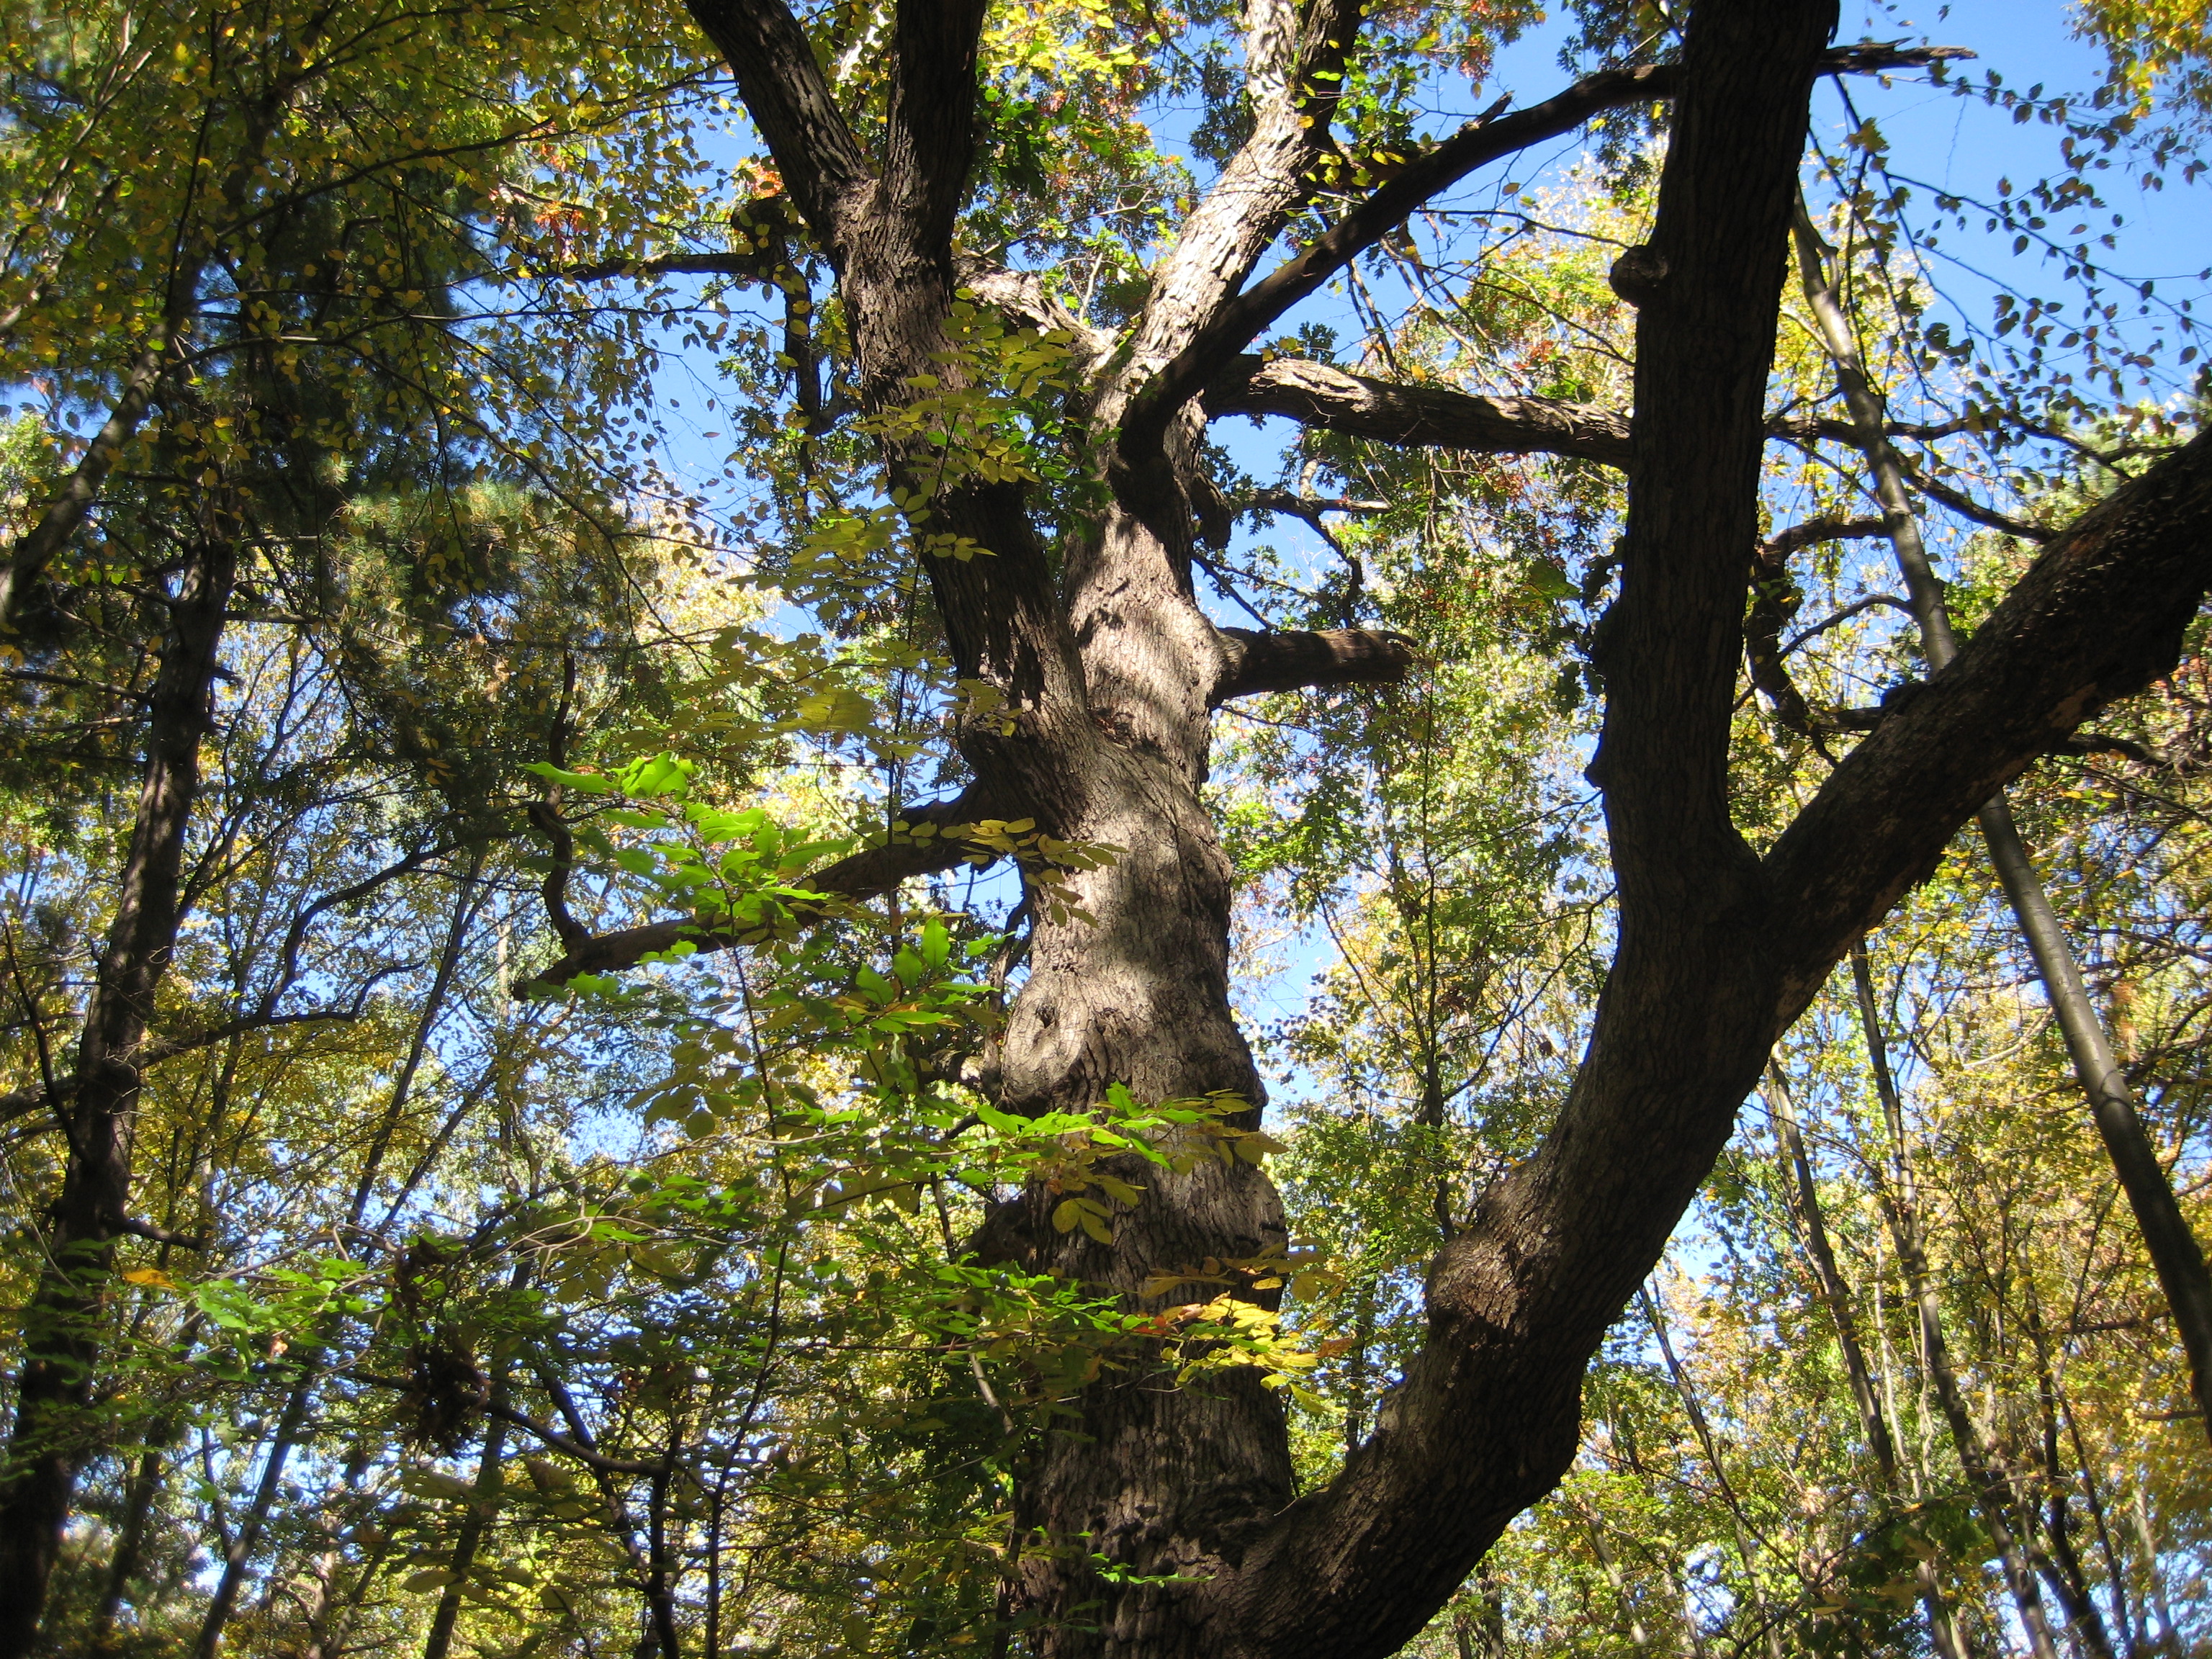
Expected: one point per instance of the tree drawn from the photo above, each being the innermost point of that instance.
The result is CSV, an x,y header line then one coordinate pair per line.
x,y
1167,1524
888,1267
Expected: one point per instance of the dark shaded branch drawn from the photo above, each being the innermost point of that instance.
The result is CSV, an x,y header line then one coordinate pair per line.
x,y
147,1230
678,264
930,137
1774,602
1805,427
822,163
295,936
35,548
2104,743
1237,324
545,817
1966,508
1487,1416
1837,619
562,1443
1782,543
2100,615
565,1444
1287,660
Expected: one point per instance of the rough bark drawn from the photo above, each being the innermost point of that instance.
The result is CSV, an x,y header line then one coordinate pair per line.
x,y
54,1429
1318,394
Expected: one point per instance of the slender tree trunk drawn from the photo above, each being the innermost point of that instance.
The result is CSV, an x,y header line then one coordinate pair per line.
x,y
326,1633
129,1543
646,1569
1638,1637
2069,1583
2115,1575
1900,1204
483,1504
1479,1627
246,1536
2174,1251
2169,1636
1356,1374
54,1427
1835,1294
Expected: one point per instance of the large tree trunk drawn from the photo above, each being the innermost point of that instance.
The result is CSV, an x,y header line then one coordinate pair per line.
x,y
1157,1479
55,1429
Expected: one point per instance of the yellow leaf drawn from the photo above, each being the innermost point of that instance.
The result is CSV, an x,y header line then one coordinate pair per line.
x,y
149,1276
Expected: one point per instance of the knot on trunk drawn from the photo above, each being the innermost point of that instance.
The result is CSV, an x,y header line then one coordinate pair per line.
x,y
1639,275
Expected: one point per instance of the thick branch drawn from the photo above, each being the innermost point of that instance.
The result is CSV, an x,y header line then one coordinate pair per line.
x,y
35,548
1416,415
1022,295
1288,660
1294,72
931,121
2100,615
1486,1418
1398,413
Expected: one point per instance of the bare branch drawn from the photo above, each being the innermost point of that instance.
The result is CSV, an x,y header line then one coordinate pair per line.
x,y
1782,543
1398,413
1966,508
2099,614
1774,602
675,265
856,877
1287,660
147,1230
1022,295
562,1443
1309,508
